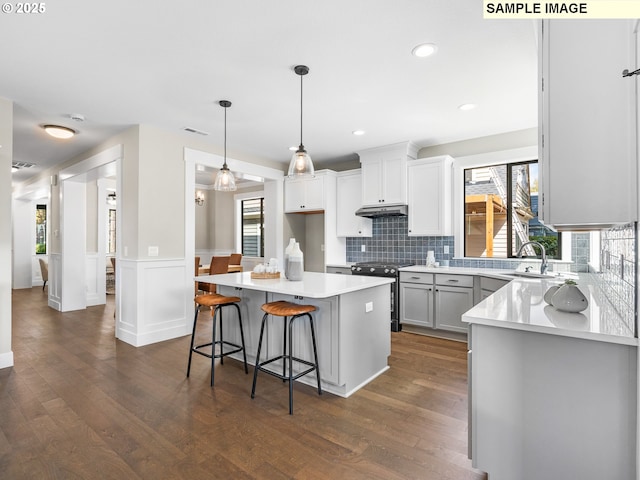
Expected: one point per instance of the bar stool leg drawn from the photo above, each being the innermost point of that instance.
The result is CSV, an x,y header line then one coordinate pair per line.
x,y
315,352
257,365
221,341
291,363
244,350
193,338
284,349
216,312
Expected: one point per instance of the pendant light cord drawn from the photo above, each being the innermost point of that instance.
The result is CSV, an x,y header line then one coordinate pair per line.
x,y
225,138
301,77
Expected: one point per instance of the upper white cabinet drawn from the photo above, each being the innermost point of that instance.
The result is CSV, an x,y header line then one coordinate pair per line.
x,y
429,196
305,194
587,153
349,199
384,173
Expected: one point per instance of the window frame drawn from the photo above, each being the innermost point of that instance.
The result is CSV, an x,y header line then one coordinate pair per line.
x,y
511,156
238,199
45,207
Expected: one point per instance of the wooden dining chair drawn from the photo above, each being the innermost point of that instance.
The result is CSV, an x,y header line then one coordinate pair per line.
x,y
235,259
218,265
196,272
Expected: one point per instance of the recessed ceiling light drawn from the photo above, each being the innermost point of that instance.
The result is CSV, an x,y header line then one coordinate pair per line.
x,y
358,132
59,132
424,50
467,106
293,149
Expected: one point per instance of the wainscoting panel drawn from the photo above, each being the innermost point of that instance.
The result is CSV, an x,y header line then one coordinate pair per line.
x,y
96,281
152,300
55,280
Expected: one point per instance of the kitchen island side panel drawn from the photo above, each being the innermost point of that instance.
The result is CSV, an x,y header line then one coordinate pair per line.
x,y
547,406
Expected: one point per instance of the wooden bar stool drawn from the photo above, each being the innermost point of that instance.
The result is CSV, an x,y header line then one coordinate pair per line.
x,y
216,302
292,311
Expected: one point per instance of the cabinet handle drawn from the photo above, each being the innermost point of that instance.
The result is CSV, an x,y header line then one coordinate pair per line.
x,y
415,278
452,280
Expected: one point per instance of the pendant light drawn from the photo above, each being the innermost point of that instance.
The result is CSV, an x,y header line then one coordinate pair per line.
x,y
225,180
301,163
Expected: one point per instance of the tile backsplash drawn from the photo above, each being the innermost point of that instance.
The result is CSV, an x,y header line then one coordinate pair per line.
x,y
618,259
390,242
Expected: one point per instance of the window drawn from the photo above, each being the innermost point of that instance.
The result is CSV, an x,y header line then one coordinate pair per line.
x,y
41,229
252,228
501,212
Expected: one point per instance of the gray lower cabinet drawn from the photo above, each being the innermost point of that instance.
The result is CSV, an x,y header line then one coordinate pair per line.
x,y
435,301
453,297
450,304
488,286
416,299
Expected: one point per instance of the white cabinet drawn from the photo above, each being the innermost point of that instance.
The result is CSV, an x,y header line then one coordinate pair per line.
x,y
384,174
429,196
349,199
305,194
416,299
587,153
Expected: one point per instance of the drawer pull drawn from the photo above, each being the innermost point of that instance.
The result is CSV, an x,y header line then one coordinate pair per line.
x,y
452,280
415,278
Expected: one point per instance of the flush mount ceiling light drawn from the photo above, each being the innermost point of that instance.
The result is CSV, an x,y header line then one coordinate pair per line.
x,y
424,50
301,163
225,181
58,131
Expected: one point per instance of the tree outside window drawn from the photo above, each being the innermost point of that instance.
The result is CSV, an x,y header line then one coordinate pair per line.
x,y
41,229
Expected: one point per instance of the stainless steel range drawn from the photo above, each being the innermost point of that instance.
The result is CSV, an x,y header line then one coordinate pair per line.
x,y
385,269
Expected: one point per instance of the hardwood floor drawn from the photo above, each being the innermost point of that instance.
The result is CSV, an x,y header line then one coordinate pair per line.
x,y
79,404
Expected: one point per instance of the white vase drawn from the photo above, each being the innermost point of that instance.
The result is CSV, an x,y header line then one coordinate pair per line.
x,y
569,298
296,264
549,293
287,252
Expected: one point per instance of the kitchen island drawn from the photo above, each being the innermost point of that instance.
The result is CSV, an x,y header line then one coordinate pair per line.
x,y
352,323
551,394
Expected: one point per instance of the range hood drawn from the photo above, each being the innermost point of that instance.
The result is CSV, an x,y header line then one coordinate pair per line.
x,y
383,211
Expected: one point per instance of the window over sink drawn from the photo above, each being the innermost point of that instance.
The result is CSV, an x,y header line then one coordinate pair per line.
x,y
501,211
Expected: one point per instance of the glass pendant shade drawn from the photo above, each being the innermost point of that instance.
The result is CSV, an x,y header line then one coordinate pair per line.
x,y
301,163
225,181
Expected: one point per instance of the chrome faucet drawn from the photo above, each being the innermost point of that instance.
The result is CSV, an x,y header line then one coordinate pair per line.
x,y
543,253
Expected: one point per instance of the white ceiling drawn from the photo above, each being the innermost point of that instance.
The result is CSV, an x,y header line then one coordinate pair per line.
x,y
121,63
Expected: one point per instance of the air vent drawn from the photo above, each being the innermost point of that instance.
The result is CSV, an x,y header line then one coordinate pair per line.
x,y
193,130
22,165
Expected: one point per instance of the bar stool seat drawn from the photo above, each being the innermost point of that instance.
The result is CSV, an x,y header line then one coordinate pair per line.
x,y
291,311
217,302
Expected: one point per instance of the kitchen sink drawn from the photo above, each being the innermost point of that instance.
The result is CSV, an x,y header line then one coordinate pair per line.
x,y
548,275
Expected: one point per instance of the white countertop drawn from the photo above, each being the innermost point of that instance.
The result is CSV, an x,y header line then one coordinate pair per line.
x,y
313,284
520,305
487,272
